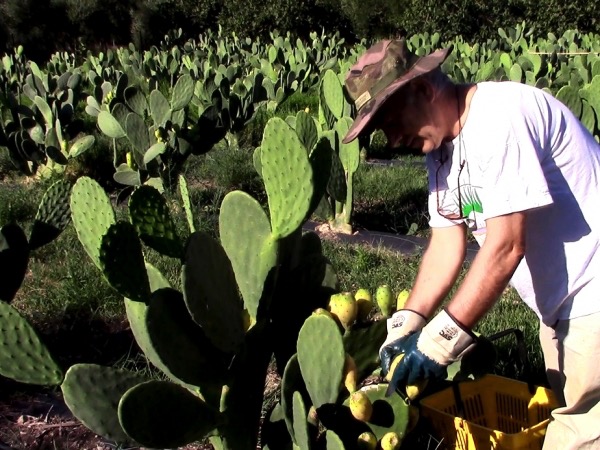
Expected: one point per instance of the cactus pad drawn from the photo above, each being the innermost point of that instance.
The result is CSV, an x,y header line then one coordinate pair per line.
x,y
321,358
185,198
320,161
333,441
122,262
245,233
159,108
183,92
110,126
152,220
23,357
14,257
287,175
53,215
211,292
137,133
180,343
333,93
301,437
93,392
160,414
92,215
306,130
363,343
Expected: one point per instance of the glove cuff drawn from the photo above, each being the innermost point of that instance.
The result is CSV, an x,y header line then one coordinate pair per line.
x,y
404,322
445,340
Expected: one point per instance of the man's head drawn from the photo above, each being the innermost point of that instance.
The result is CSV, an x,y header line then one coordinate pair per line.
x,y
393,90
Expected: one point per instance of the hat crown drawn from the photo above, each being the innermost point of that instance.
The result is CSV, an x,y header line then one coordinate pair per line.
x,y
384,62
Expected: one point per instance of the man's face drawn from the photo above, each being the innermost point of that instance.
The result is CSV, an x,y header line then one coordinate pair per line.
x,y
408,119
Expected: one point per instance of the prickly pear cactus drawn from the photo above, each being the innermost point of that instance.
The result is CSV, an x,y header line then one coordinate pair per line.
x,y
23,356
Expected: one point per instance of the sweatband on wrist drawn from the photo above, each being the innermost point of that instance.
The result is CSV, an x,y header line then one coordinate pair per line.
x,y
444,340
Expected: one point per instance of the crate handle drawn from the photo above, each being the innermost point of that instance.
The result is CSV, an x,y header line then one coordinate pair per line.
x,y
521,351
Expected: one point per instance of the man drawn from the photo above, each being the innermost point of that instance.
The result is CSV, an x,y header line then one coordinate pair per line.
x,y
513,165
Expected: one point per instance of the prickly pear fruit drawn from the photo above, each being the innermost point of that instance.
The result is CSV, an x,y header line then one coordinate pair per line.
x,y
129,159
364,302
350,374
401,300
390,441
361,406
323,311
64,146
247,320
313,417
343,307
366,441
384,297
412,390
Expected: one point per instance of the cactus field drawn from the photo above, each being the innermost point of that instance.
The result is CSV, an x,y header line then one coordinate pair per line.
x,y
162,282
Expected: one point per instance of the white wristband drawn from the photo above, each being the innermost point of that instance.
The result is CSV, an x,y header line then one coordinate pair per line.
x,y
402,323
444,341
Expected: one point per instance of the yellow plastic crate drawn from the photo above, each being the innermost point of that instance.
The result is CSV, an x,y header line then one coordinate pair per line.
x,y
499,414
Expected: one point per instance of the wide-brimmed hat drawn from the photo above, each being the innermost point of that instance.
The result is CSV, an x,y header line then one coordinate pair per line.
x,y
381,71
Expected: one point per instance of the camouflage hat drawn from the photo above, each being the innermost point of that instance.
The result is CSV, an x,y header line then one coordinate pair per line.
x,y
381,71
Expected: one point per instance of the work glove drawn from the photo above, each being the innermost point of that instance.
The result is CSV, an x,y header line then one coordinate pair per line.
x,y
399,326
428,352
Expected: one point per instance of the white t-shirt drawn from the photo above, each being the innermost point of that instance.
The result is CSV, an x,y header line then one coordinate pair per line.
x,y
523,150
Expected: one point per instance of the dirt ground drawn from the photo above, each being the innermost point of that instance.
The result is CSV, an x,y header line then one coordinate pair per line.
x,y
39,420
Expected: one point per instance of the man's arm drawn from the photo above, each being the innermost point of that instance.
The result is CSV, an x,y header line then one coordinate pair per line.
x,y
492,268
439,269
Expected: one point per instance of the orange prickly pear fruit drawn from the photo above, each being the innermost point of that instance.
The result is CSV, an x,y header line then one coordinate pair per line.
x,y
343,307
364,302
361,406
384,298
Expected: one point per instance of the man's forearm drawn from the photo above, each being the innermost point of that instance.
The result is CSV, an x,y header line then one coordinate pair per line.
x,y
491,270
438,270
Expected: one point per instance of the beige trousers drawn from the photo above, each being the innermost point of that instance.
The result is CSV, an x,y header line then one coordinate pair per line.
x,y
572,356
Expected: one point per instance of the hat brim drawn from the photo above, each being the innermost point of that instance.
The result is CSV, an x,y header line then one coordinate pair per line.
x,y
423,65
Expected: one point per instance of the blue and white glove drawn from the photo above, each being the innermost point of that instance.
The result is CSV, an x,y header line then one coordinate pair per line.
x,y
428,352
403,323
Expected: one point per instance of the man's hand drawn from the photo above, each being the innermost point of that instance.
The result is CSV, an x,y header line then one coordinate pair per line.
x,y
399,326
427,353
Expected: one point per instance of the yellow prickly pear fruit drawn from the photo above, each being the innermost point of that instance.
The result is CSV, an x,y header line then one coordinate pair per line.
x,y
412,390
384,298
64,146
157,134
390,441
361,406
343,307
366,441
401,300
350,374
364,302
307,110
